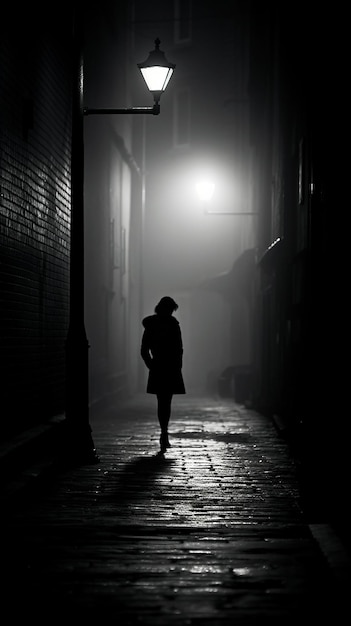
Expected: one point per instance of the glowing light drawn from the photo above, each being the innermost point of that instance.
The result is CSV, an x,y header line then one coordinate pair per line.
x,y
205,190
157,78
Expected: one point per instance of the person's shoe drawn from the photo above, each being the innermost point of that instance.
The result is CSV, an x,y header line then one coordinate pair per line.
x,y
164,442
168,445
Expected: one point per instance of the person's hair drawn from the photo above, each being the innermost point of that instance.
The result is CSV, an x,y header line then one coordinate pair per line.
x,y
166,305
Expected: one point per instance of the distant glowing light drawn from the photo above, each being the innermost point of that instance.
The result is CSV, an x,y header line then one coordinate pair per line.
x,y
205,190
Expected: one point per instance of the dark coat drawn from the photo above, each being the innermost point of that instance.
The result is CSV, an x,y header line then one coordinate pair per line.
x,y
162,353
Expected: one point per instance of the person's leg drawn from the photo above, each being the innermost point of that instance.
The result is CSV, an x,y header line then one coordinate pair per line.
x,y
164,402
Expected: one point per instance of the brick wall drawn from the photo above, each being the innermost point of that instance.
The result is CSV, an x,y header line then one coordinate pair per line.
x,y
35,134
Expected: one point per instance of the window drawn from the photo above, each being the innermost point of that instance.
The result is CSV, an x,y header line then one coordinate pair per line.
x,y
182,23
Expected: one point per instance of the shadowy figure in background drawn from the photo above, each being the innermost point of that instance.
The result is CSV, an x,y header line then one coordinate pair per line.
x,y
162,353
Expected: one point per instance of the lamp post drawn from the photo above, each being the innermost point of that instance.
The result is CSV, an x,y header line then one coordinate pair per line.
x,y
156,71
141,369
207,212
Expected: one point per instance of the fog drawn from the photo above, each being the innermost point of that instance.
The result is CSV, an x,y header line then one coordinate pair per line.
x,y
148,233
187,252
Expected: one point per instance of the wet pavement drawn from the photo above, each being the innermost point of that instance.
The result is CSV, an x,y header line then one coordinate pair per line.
x,y
214,532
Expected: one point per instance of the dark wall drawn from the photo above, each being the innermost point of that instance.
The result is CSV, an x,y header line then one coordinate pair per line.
x,y
299,128
35,133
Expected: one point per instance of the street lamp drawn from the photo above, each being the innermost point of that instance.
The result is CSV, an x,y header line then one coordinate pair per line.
x,y
157,71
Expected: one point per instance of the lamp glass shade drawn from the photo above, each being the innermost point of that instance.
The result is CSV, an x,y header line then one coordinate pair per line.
x,y
156,77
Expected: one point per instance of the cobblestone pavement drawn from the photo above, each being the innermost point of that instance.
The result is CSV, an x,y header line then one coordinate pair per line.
x,y
212,533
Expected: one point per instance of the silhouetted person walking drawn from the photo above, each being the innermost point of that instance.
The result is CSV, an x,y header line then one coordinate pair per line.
x,y
162,353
